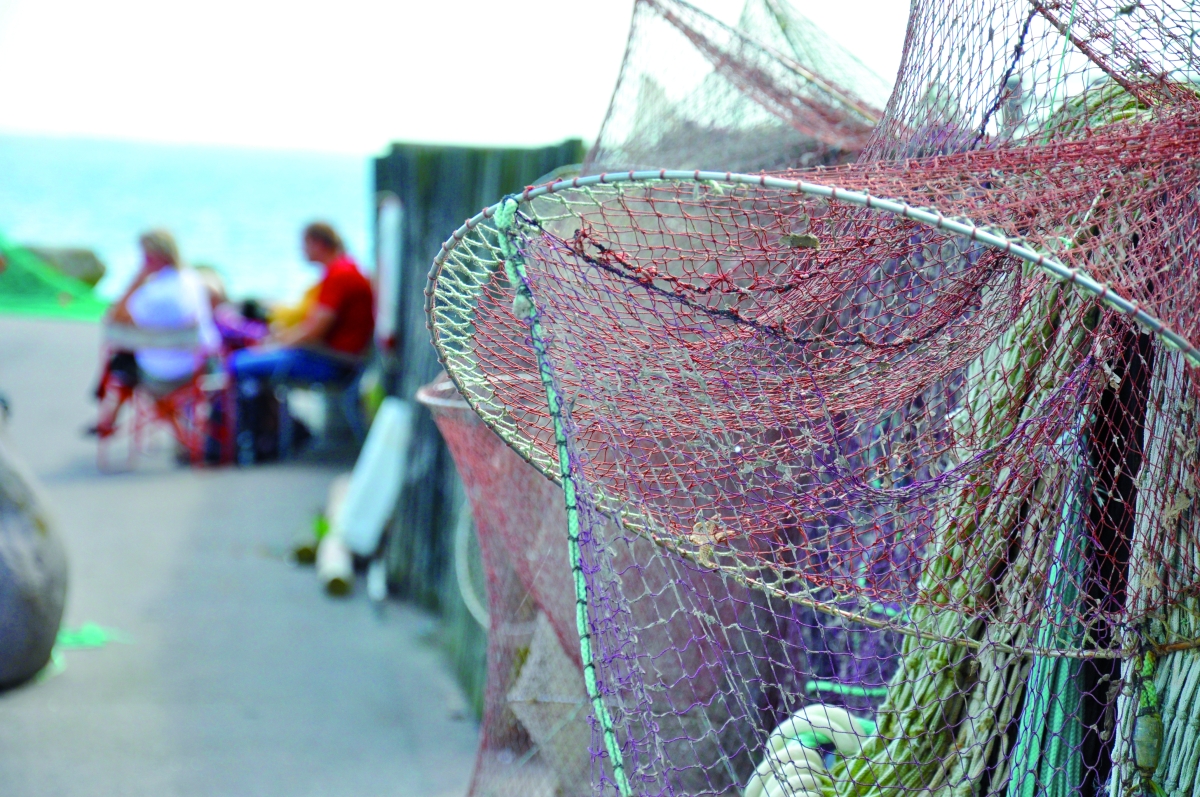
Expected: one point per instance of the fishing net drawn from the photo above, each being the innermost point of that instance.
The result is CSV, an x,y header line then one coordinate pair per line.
x,y
771,93
534,733
29,286
1002,72
535,736
912,444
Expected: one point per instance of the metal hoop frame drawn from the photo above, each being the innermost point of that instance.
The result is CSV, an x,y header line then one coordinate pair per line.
x,y
967,229
931,217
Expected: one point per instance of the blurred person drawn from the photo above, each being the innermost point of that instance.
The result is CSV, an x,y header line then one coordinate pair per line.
x,y
330,342
327,344
283,316
164,295
239,326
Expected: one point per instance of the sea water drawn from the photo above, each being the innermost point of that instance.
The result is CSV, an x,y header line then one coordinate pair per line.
x,y
238,210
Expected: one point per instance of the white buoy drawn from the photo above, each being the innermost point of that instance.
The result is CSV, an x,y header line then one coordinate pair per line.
x,y
376,479
335,564
33,574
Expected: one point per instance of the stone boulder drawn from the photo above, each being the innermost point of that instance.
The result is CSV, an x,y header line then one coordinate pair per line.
x,y
33,575
80,264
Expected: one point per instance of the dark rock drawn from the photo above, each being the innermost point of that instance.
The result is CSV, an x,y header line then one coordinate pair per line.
x,y
33,575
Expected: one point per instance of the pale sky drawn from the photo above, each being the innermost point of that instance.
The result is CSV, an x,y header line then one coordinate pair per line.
x,y
346,76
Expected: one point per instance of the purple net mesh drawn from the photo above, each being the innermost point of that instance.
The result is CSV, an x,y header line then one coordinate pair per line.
x,y
883,475
534,736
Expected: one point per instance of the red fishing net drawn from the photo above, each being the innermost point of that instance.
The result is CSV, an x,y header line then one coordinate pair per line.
x,y
918,473
771,93
534,735
1005,72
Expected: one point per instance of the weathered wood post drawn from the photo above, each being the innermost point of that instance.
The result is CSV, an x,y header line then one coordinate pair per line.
x,y
424,192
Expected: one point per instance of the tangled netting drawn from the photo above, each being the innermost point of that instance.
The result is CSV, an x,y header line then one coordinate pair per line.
x,y
772,93
944,401
534,735
1001,72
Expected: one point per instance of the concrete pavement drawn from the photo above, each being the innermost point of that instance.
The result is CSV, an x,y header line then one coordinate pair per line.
x,y
239,677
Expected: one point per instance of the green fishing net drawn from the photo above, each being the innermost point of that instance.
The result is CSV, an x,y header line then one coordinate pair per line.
x,y
31,287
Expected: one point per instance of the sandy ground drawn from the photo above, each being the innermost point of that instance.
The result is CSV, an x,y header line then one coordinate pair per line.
x,y
239,677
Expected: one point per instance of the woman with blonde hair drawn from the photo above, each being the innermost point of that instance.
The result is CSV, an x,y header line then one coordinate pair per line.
x,y
165,295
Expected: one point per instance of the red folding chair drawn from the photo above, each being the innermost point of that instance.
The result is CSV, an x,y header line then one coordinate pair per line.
x,y
197,411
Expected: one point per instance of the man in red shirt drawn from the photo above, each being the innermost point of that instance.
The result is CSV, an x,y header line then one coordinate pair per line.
x,y
328,346
331,341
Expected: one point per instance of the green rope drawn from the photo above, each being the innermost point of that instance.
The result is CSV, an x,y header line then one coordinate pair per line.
x,y
523,307
1047,760
1062,62
1148,695
845,689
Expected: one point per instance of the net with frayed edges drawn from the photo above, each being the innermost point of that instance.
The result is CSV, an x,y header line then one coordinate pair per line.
x,y
965,418
771,93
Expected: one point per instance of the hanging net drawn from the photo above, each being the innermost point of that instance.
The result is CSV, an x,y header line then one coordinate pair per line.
x,y
1003,72
911,444
783,29
29,286
534,734
771,93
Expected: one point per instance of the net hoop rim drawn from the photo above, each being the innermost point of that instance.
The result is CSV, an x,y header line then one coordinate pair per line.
x,y
928,216
934,219
428,395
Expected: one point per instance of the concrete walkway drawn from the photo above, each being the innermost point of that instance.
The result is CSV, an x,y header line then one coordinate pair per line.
x,y
239,677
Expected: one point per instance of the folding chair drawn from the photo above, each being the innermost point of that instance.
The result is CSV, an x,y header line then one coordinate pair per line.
x,y
196,410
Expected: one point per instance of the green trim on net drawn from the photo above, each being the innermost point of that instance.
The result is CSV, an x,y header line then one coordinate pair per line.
x,y
31,287
845,689
524,308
